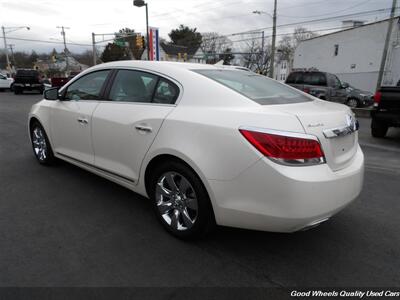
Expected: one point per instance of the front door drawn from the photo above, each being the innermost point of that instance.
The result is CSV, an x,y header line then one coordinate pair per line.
x,y
125,127
71,118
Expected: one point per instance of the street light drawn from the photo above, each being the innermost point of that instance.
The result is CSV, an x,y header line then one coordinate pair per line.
x,y
271,69
8,30
141,3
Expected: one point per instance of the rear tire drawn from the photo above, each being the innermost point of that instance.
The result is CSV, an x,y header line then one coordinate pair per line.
x,y
41,145
180,201
378,129
352,103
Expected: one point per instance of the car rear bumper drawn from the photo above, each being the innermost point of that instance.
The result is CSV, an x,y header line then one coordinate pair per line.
x,y
279,198
28,86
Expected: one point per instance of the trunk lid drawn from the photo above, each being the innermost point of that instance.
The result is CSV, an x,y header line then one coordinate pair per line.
x,y
318,117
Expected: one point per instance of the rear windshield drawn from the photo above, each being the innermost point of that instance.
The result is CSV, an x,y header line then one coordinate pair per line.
x,y
27,73
256,87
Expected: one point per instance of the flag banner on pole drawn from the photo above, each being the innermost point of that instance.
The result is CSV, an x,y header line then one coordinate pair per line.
x,y
154,45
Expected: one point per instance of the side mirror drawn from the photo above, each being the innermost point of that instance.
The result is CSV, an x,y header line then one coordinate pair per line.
x,y
51,94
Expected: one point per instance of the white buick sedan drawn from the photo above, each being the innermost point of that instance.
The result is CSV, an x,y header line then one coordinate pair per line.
x,y
207,144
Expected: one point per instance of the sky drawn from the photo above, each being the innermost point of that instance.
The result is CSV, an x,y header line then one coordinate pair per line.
x,y
223,16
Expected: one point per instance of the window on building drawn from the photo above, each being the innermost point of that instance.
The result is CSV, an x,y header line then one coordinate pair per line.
x,y
336,52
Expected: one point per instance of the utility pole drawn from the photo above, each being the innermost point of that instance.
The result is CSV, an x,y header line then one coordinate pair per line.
x,y
94,48
11,46
271,69
65,46
5,47
385,49
147,33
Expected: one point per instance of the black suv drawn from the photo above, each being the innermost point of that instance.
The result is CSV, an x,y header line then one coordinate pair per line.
x,y
322,85
27,80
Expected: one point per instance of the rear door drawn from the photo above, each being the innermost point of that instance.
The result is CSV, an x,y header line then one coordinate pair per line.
x,y
71,118
125,126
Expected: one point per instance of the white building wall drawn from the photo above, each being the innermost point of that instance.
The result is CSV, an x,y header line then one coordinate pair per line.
x,y
358,57
281,70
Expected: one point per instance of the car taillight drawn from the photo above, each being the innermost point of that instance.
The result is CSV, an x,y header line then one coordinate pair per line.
x,y
286,149
377,98
306,90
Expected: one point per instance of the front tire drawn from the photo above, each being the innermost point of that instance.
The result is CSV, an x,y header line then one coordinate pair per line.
x,y
41,145
378,129
180,201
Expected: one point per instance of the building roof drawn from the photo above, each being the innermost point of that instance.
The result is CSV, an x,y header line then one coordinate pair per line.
x,y
352,28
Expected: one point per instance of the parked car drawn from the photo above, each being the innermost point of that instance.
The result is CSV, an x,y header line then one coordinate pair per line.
x,y
358,98
207,145
5,82
386,111
322,85
27,80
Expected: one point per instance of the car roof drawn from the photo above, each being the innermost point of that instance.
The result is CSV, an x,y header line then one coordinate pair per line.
x,y
154,65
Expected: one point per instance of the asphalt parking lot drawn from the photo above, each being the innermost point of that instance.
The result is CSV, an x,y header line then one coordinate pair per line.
x,y
62,226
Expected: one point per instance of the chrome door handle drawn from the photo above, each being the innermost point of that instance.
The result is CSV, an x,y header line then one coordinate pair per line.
x,y
144,128
83,121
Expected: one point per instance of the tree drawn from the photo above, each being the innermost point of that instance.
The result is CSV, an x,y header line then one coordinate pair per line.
x,y
289,43
256,58
128,35
227,56
85,58
185,36
212,43
113,52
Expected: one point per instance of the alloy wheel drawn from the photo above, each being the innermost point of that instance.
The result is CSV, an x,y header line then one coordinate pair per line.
x,y
176,201
39,143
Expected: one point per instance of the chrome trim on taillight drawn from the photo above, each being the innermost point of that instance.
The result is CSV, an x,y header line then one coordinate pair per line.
x,y
280,132
305,162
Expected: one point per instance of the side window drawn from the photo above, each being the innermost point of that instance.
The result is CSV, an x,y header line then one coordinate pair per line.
x,y
133,86
166,92
337,83
2,77
295,77
318,79
87,87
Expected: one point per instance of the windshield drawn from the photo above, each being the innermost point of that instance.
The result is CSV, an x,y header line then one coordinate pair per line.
x,y
256,87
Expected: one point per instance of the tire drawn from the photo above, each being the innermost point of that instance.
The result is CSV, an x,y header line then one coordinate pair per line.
x,y
182,205
40,145
378,129
353,103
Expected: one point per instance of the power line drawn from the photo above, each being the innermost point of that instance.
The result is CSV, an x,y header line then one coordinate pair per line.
x,y
328,14
46,41
312,21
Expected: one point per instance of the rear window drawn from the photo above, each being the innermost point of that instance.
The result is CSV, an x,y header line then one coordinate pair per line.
x,y
27,73
256,87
